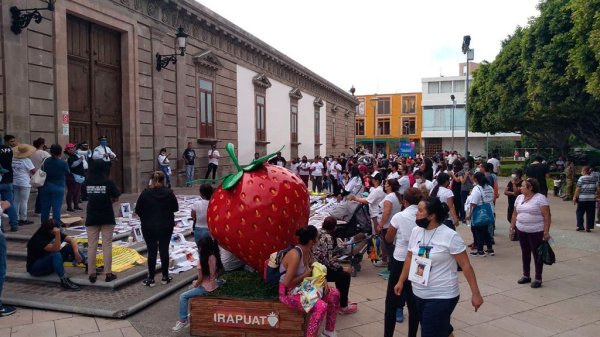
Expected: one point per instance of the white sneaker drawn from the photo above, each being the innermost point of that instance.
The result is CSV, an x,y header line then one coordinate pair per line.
x,y
328,334
379,263
181,325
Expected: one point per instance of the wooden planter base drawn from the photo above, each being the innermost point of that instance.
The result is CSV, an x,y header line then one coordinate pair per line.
x,y
226,317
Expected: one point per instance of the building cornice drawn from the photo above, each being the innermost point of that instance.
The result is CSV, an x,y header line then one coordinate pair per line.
x,y
209,27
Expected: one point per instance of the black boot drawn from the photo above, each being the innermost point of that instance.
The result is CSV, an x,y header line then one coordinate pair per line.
x,y
66,283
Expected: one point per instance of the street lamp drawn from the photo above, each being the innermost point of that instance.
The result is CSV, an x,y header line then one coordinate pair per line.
x,y
470,56
374,102
162,61
453,108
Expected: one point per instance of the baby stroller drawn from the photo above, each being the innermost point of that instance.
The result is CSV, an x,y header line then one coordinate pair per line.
x,y
352,234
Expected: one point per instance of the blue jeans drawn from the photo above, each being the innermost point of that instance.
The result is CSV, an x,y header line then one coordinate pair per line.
x,y
50,263
199,233
6,193
184,298
165,170
51,196
189,174
2,263
435,315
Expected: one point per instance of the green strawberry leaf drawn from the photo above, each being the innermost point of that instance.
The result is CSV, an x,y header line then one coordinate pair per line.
x,y
256,163
231,150
232,180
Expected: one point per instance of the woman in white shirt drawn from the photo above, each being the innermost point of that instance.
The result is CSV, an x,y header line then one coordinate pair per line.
x,y
23,169
482,193
354,186
435,250
446,196
316,172
199,210
398,233
389,206
532,220
163,164
304,170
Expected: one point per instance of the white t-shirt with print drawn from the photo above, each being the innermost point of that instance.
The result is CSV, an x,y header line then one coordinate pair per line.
x,y
304,168
375,198
403,222
317,169
21,168
443,277
354,186
216,155
529,214
396,208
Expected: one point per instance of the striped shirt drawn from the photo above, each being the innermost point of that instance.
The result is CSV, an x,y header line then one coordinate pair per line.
x,y
587,186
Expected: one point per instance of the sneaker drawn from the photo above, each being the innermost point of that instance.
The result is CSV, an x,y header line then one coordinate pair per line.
x,y
7,311
524,280
180,325
399,315
25,222
379,263
166,280
490,252
579,229
350,309
536,284
149,282
478,254
328,334
384,273
588,230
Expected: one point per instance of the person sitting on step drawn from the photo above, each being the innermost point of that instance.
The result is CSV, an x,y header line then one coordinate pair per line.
x,y
47,250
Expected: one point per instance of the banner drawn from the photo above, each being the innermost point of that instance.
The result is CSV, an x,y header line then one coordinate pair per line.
x,y
407,149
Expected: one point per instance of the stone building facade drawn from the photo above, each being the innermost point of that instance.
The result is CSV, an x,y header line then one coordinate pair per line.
x,y
89,70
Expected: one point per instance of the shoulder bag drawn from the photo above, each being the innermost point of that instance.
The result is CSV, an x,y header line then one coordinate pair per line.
x,y
39,177
483,215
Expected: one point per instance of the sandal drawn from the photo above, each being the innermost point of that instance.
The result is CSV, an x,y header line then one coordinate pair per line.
x,y
93,277
110,277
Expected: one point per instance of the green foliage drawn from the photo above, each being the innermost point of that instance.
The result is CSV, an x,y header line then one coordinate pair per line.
x,y
544,83
246,285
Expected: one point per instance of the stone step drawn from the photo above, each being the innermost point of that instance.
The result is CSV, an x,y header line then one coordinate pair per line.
x,y
91,300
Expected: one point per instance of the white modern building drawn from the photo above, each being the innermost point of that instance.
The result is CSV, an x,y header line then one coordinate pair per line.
x,y
438,111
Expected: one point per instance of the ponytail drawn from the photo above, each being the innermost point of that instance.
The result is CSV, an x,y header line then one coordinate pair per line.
x,y
157,180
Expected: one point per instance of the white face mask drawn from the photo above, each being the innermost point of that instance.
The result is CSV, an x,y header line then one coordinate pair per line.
x,y
513,176
418,181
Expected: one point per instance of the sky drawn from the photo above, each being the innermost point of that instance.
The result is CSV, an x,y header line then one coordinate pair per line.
x,y
379,46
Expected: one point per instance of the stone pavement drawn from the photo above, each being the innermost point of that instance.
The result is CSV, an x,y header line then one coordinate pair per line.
x,y
568,304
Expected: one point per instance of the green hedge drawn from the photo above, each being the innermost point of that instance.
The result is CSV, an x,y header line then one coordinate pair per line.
x,y
246,285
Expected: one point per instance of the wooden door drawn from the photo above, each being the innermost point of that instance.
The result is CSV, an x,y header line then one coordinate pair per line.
x,y
94,67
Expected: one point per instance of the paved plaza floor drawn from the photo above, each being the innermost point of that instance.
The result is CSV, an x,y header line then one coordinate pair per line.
x,y
568,304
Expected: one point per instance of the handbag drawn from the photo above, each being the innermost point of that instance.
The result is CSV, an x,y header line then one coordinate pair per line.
x,y
39,177
483,215
545,253
78,178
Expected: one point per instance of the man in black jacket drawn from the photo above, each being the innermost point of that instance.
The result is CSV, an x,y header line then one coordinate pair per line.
x,y
6,187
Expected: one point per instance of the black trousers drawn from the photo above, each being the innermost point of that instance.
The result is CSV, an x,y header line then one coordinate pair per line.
x,y
211,167
334,183
158,242
342,283
589,209
393,302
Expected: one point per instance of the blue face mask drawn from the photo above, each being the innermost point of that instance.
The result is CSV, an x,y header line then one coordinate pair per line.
x,y
103,142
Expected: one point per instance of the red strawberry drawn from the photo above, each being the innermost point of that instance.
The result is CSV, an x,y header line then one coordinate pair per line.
x,y
257,210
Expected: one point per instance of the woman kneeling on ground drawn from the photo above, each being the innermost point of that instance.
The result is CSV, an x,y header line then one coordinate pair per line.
x,y
295,266
209,269
434,249
323,251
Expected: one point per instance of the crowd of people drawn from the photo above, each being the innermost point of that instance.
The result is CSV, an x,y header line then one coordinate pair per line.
x,y
415,207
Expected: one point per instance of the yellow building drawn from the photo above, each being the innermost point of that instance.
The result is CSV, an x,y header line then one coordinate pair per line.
x,y
393,118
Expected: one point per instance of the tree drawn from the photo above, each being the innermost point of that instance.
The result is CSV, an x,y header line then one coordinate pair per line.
x,y
532,87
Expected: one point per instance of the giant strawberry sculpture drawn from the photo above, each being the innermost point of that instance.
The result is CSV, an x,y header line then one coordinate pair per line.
x,y
257,210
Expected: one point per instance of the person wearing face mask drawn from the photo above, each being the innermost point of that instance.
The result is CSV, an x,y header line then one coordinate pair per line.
x,y
437,249
585,199
83,150
446,196
482,193
304,170
404,180
464,177
424,185
399,232
513,190
37,158
104,152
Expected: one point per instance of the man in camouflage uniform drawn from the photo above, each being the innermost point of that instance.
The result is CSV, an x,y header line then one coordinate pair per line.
x,y
570,177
